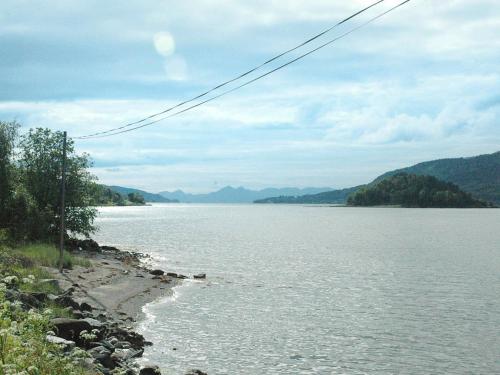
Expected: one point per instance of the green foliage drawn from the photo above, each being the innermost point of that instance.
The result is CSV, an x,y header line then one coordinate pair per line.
x,y
40,163
105,196
327,197
30,185
136,198
24,348
48,256
8,136
409,190
479,175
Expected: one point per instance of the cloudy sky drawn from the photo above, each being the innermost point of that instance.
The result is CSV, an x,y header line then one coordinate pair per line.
x,y
419,84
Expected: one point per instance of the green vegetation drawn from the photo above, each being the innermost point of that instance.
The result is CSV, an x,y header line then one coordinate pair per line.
x,y
48,256
479,175
105,196
328,197
24,348
30,174
409,190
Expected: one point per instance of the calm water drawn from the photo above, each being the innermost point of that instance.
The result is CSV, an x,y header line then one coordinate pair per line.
x,y
320,290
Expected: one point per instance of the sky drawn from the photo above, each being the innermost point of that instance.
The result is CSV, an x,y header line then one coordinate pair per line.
x,y
421,83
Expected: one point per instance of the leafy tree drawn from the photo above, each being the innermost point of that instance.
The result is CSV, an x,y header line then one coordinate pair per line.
x,y
40,165
8,136
136,198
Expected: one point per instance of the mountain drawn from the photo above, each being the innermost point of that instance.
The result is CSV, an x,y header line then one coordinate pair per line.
x,y
478,175
411,190
148,197
327,197
230,194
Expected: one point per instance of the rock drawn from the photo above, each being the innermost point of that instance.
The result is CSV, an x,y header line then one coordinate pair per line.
x,y
66,344
150,370
196,372
70,329
123,355
77,314
200,276
157,272
67,301
40,296
103,356
156,277
123,345
179,276
84,306
135,339
109,248
94,323
171,274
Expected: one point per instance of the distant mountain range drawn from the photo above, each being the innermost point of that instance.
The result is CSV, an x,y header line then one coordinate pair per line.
x,y
230,194
148,197
478,175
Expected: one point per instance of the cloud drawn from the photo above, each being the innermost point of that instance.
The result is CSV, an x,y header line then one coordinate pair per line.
x,y
164,43
176,68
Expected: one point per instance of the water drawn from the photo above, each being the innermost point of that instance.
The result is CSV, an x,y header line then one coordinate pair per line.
x,y
320,290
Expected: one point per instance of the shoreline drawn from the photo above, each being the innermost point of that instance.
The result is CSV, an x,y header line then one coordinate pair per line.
x,y
114,289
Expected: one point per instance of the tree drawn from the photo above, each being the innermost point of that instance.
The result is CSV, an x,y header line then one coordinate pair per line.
x,y
40,165
8,136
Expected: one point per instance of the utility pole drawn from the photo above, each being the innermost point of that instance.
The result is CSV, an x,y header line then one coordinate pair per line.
x,y
63,196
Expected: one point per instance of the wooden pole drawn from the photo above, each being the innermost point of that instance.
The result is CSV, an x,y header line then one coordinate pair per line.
x,y
63,197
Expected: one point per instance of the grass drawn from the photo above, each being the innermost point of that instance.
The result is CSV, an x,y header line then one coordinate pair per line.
x,y
23,345
48,256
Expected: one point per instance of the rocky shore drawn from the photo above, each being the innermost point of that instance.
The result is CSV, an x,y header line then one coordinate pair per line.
x,y
105,301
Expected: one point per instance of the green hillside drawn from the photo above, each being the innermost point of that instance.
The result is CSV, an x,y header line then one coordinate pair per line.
x,y
328,197
411,190
479,175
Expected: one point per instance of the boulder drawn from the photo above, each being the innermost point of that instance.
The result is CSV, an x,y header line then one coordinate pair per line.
x,y
84,306
70,329
67,301
157,272
200,276
179,276
103,356
66,344
150,370
109,248
171,274
196,372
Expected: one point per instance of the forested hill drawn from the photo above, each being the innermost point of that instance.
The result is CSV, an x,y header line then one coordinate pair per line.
x,y
148,197
329,197
479,175
410,190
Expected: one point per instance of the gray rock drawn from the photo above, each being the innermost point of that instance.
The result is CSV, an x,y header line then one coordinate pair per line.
x,y
84,306
94,323
157,272
103,356
196,372
171,274
66,344
150,370
200,276
70,329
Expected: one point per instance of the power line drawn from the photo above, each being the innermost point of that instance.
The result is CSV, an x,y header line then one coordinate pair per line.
x,y
119,130
239,76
